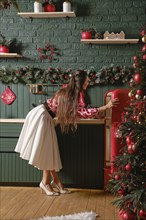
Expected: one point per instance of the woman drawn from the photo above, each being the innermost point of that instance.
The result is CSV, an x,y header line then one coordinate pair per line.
x,y
38,142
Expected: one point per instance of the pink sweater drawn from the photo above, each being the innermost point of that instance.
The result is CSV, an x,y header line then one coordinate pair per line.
x,y
82,111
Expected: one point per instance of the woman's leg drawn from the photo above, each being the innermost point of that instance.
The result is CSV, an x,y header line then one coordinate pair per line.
x,y
45,184
56,183
56,179
46,179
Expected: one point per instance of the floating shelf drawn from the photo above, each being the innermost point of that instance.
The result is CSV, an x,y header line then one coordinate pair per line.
x,y
10,55
109,41
46,14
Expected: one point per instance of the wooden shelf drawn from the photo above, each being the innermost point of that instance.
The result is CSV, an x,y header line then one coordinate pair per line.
x,y
10,55
109,41
46,14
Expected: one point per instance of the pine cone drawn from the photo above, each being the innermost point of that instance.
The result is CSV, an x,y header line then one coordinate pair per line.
x,y
98,36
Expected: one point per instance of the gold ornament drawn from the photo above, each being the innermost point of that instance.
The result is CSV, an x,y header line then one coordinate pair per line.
x,y
144,39
134,65
141,118
131,94
134,147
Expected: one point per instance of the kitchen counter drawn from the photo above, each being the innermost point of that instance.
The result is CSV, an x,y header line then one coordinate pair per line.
x,y
82,155
80,121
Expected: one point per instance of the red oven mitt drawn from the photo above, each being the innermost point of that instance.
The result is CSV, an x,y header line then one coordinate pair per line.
x,y
8,96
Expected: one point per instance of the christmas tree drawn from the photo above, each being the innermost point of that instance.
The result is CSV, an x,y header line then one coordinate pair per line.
x,y
128,182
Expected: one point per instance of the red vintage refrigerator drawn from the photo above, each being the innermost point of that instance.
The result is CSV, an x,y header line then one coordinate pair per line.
x,y
113,141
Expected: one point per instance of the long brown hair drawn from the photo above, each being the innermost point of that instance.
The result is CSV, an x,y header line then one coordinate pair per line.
x,y
68,101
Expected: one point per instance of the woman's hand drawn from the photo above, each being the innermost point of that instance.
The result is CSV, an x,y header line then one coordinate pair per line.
x,y
112,103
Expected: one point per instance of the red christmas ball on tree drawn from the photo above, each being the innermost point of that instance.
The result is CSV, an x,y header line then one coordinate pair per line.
x,y
134,58
135,118
117,177
129,140
143,32
128,167
121,192
137,78
125,215
139,92
144,48
130,149
144,57
142,214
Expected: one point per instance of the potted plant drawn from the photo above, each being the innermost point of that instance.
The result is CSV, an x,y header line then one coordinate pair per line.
x,y
49,6
5,4
88,33
4,44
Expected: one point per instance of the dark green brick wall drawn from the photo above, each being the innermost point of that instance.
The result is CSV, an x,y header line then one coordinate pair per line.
x,y
113,15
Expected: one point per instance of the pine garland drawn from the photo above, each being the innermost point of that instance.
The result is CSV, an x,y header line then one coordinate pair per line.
x,y
26,75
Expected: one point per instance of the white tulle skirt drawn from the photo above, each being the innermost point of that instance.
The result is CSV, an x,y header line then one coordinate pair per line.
x,y
38,141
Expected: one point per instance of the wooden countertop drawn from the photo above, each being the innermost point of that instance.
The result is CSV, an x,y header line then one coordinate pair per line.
x,y
80,121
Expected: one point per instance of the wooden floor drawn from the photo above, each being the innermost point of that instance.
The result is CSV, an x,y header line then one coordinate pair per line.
x,y
27,203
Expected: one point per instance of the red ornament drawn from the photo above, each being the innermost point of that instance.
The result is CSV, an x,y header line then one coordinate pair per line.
x,y
128,167
116,177
144,48
134,58
121,192
130,149
139,92
86,35
49,8
129,140
144,57
4,49
131,84
137,78
135,118
124,215
142,214
143,32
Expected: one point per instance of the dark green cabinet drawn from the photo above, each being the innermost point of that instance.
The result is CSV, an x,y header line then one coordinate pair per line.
x,y
81,152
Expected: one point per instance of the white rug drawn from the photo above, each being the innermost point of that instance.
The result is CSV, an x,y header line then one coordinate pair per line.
x,y
77,216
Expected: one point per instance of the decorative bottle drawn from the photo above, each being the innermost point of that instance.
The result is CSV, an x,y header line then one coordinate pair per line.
x,y
66,6
38,6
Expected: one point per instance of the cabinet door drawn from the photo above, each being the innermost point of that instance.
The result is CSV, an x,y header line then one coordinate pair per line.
x,y
14,170
82,157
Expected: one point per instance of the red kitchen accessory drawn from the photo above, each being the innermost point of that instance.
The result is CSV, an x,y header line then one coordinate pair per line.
x,y
8,96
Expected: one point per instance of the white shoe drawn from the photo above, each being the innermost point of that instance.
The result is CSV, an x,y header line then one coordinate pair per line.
x,y
46,189
62,191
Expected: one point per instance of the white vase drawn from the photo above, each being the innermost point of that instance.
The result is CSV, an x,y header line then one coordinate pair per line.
x,y
66,6
38,7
